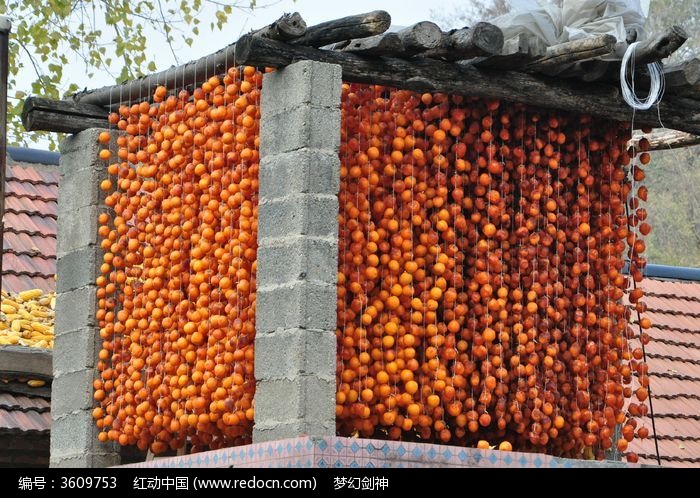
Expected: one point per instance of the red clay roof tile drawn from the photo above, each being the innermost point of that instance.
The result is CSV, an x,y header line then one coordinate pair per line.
x,y
25,413
673,355
29,248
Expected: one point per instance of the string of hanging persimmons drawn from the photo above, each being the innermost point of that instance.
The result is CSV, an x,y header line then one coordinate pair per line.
x,y
480,286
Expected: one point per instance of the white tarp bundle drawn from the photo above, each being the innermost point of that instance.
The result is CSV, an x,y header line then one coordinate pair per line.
x,y
574,20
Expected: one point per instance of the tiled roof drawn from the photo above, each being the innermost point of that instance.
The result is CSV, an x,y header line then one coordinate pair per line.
x,y
24,413
673,355
29,249
24,409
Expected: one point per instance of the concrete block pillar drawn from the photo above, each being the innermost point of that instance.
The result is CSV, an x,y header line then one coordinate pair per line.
x,y
73,432
295,343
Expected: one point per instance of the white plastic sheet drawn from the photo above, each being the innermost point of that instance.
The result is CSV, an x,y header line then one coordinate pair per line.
x,y
576,19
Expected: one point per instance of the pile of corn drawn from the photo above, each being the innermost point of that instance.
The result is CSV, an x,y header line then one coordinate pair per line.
x,y
27,318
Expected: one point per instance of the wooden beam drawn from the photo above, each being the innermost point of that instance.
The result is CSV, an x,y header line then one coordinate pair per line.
x,y
574,51
386,44
347,28
482,39
287,27
420,74
677,77
667,139
190,73
686,73
63,116
661,46
419,37
517,52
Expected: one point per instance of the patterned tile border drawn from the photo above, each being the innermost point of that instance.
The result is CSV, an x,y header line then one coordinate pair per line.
x,y
350,452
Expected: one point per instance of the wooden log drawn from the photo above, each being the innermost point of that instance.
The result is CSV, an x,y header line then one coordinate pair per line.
x,y
347,28
686,73
517,52
691,92
678,77
419,37
191,73
661,46
421,74
386,44
667,139
482,39
574,51
287,27
64,116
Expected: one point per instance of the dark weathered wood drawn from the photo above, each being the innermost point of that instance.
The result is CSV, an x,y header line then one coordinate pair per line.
x,y
632,35
517,52
691,92
661,46
385,44
678,77
65,116
574,51
287,27
421,74
191,73
686,73
347,28
668,139
482,39
60,123
419,37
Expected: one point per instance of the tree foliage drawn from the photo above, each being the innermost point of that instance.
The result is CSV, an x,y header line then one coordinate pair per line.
x,y
110,36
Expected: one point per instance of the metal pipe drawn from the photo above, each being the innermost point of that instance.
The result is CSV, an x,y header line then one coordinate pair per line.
x,y
5,26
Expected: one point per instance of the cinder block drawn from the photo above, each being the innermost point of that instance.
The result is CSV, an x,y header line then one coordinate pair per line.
x,y
303,304
295,353
298,128
73,434
297,258
80,188
300,214
307,398
75,309
86,460
71,391
78,268
302,83
305,170
76,350
81,145
78,229
275,431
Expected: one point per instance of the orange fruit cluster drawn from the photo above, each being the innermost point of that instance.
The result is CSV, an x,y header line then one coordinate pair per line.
x,y
480,285
176,293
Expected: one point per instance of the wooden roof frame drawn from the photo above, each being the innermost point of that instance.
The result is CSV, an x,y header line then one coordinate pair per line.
x,y
472,61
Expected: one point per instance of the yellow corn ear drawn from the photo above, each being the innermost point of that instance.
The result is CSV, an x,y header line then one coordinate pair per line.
x,y
36,383
40,327
16,325
6,308
41,337
39,313
10,302
30,294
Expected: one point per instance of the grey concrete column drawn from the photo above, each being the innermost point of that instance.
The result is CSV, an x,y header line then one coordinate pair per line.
x,y
295,343
73,432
